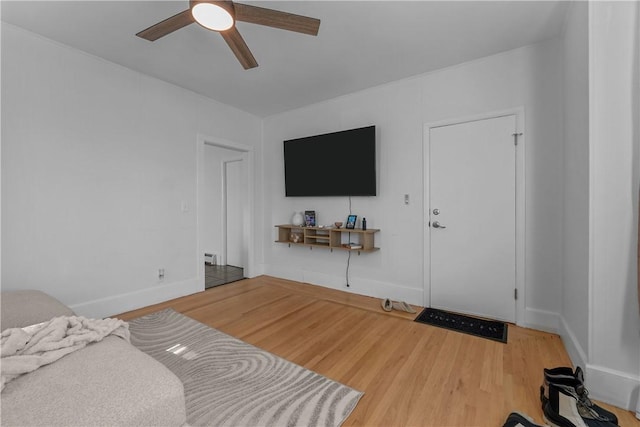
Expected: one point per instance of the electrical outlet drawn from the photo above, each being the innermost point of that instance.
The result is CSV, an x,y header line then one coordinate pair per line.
x,y
406,199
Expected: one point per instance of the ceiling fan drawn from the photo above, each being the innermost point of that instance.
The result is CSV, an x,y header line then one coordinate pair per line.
x,y
221,16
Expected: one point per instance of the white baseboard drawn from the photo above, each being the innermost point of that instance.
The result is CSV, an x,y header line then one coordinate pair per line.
x,y
616,388
357,285
541,320
108,306
284,272
576,353
607,385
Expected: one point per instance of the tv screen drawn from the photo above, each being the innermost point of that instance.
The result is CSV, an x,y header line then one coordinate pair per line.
x,y
333,164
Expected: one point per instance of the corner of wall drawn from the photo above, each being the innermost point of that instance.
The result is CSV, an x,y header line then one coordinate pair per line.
x,y
607,385
576,353
541,320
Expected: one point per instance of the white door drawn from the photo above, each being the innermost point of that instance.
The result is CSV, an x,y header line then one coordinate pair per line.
x,y
235,196
472,189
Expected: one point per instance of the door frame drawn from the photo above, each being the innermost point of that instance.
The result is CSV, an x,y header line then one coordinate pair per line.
x,y
201,141
225,233
519,209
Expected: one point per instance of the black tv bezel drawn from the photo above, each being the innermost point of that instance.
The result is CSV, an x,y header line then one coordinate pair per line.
x,y
347,193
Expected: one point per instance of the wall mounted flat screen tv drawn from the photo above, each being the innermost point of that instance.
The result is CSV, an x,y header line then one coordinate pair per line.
x,y
333,164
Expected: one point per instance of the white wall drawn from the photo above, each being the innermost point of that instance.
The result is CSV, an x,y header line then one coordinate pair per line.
x,y
600,323
529,77
212,239
575,298
614,115
97,163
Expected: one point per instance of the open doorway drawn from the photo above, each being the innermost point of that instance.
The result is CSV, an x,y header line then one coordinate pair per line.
x,y
216,275
225,215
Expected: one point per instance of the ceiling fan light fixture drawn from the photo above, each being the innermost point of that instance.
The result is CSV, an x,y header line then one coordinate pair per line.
x,y
212,16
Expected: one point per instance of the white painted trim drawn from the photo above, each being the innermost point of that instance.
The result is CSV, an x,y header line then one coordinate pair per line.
x,y
223,223
592,183
520,204
201,141
116,304
636,399
426,200
616,388
357,285
1,222
638,137
224,143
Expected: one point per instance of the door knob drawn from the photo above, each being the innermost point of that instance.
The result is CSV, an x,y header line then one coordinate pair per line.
x,y
436,224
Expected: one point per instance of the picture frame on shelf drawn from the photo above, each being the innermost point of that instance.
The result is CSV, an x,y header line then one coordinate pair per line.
x,y
310,218
351,222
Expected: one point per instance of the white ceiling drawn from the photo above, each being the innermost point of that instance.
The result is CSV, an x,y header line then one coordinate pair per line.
x,y
360,44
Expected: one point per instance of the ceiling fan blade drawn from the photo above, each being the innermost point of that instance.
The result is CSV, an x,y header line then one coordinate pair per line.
x,y
276,19
239,48
167,26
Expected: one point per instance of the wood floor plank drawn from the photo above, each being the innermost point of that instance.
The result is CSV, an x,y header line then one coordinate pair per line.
x,y
412,374
261,304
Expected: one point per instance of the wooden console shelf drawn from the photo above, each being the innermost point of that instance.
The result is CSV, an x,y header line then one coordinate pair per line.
x,y
325,237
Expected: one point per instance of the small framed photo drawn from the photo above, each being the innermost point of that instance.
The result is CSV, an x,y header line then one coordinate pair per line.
x,y
310,218
351,222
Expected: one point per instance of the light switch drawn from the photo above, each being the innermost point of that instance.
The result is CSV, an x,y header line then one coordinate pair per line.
x,y
406,199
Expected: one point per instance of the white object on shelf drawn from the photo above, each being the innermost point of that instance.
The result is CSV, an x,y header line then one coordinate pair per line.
x,y
297,219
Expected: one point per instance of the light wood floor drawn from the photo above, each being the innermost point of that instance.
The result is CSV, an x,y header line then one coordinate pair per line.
x,y
412,374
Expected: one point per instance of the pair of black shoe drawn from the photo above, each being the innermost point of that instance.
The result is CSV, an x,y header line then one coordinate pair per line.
x,y
566,403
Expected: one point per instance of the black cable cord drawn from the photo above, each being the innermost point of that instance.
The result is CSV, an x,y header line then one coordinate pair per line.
x,y
348,262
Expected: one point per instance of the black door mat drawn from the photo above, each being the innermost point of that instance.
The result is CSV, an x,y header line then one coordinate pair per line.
x,y
490,329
